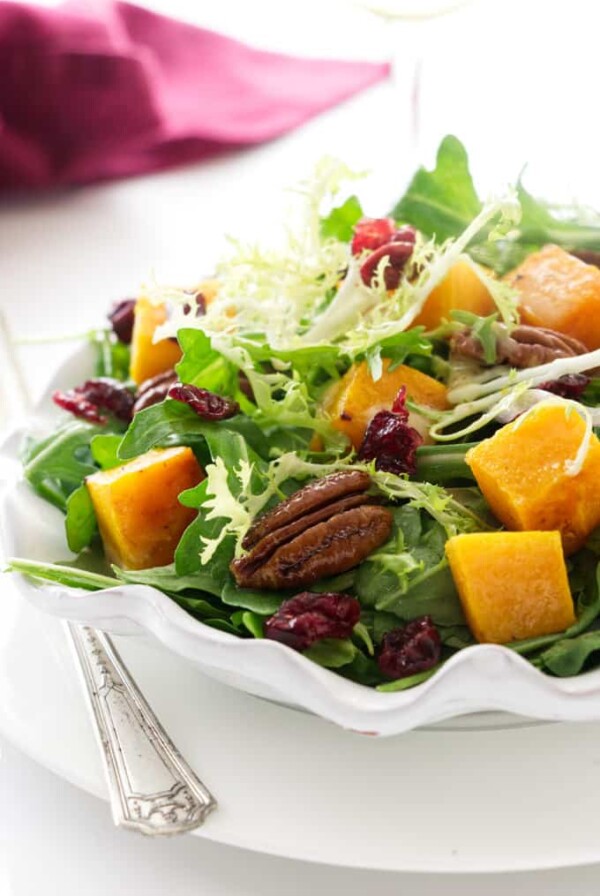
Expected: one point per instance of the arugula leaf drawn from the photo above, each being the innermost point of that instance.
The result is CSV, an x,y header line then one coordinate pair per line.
x,y
441,202
569,226
204,366
254,623
402,684
569,655
262,603
175,423
340,221
80,522
332,652
113,356
439,464
163,577
57,465
105,450
70,576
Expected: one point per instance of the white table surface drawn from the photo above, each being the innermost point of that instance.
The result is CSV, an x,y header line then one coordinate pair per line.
x,y
63,258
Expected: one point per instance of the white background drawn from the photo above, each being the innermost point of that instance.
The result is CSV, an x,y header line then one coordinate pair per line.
x,y
517,83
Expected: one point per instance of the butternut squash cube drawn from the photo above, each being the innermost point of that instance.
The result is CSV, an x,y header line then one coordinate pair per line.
x,y
139,516
460,289
356,398
522,473
149,358
561,292
512,585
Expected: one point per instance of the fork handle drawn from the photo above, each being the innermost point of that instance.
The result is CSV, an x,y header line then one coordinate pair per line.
x,y
152,788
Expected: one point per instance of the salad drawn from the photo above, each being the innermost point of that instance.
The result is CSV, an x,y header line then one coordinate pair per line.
x,y
373,443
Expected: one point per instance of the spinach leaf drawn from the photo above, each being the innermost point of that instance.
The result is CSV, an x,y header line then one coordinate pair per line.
x,y
409,576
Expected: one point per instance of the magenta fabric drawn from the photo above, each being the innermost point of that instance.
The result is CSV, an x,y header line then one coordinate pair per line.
x,y
102,90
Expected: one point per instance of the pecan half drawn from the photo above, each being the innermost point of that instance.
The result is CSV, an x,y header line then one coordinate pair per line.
x,y
523,346
323,529
154,390
315,494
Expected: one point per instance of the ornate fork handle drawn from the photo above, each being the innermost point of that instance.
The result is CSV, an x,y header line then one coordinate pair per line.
x,y
152,788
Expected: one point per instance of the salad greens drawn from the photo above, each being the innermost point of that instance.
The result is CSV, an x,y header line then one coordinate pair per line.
x,y
443,202
285,327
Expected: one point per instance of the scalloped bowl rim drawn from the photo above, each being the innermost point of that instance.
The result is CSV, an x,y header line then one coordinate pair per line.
x,y
481,678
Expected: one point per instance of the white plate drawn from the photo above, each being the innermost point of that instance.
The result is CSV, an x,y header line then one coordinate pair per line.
x,y
290,784
480,678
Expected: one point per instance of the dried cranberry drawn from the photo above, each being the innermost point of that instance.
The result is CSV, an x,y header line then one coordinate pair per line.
x,y
390,441
206,404
414,648
371,233
200,303
571,385
406,234
79,406
399,405
93,396
395,255
121,317
309,617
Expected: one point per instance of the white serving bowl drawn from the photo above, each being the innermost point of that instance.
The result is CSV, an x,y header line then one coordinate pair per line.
x,y
477,679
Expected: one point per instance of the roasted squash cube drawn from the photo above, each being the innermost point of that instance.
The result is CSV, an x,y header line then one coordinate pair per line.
x,y
523,473
357,397
461,289
512,585
139,516
149,358
559,291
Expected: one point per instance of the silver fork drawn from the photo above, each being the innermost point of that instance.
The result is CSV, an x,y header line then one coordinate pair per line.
x,y
152,788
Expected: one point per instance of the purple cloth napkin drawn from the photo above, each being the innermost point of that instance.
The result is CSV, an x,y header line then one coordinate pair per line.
x,y
92,92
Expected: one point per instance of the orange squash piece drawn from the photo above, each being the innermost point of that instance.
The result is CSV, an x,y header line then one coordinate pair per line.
x,y
460,289
521,472
512,585
561,292
353,401
149,358
137,508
